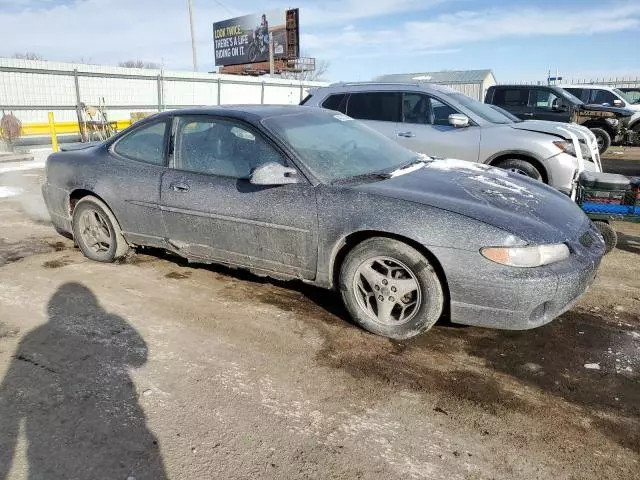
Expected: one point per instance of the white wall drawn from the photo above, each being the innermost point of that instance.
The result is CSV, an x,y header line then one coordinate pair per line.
x,y
129,89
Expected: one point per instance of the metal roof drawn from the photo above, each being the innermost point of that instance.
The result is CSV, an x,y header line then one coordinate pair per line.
x,y
447,76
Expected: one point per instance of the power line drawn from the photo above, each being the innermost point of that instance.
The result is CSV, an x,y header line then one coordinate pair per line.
x,y
223,6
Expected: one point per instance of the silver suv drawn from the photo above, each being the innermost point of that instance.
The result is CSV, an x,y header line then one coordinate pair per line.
x,y
439,121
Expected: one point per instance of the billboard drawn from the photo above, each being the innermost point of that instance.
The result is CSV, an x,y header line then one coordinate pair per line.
x,y
246,39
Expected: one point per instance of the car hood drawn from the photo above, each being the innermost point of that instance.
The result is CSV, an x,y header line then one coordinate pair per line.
x,y
620,112
552,128
516,204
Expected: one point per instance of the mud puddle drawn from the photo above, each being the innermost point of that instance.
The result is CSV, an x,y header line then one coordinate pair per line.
x,y
16,251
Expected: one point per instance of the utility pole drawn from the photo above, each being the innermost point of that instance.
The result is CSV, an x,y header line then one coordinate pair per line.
x,y
193,36
271,61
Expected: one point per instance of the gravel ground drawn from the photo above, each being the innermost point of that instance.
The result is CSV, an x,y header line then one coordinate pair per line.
x,y
158,369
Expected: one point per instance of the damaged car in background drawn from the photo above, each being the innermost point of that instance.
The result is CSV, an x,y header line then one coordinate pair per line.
x,y
311,194
439,121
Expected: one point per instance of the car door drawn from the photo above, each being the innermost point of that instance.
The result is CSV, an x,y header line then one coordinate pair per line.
x,y
548,105
212,211
131,183
514,100
605,98
426,129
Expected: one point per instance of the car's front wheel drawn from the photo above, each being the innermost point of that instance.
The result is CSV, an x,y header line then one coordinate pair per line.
x,y
390,288
603,138
96,231
522,167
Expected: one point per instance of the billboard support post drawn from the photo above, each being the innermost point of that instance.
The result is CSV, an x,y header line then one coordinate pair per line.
x,y
271,62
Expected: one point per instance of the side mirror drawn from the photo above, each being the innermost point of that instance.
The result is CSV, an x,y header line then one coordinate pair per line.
x,y
618,103
458,120
558,106
273,173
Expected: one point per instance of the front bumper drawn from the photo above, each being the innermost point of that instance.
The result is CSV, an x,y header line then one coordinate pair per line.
x,y
486,294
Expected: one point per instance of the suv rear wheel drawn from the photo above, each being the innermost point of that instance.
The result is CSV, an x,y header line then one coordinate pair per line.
x,y
517,165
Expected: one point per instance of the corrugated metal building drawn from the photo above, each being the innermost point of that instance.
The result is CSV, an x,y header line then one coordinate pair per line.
x,y
473,83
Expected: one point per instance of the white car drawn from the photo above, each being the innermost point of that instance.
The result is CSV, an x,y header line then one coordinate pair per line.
x,y
438,121
608,96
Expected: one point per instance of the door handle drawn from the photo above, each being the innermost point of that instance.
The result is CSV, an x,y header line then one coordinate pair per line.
x,y
406,134
179,187
528,114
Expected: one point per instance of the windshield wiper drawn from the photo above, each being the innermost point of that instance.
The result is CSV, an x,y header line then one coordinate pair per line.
x,y
408,167
362,177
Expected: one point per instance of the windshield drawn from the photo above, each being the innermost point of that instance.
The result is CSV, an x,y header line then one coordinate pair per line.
x,y
481,109
624,95
336,147
633,95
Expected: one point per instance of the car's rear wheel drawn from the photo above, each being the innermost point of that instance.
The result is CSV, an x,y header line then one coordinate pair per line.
x,y
522,167
97,232
390,288
603,138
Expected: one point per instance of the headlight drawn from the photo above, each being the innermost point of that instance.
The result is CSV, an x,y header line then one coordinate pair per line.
x,y
566,146
612,121
527,257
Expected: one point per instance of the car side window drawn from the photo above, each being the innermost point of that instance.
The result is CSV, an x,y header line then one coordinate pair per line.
x,y
219,147
423,109
511,97
381,106
336,102
415,108
440,112
576,92
145,144
603,97
546,99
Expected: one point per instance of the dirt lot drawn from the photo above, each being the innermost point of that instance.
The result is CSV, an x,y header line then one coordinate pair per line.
x,y
156,369
623,160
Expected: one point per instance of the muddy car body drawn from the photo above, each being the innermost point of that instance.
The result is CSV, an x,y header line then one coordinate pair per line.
x,y
307,193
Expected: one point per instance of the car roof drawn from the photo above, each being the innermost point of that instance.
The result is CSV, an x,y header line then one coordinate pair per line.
x,y
242,112
516,85
383,86
590,86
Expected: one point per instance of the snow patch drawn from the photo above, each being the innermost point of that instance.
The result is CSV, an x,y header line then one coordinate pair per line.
x,y
453,164
503,184
403,171
32,165
592,366
6,192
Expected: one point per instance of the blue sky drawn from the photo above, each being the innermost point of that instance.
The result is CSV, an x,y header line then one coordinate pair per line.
x,y
519,40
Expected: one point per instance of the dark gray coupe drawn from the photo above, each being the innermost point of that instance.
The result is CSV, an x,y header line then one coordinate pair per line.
x,y
306,193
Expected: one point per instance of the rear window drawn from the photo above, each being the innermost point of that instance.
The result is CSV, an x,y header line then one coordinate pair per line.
x,y
511,97
146,144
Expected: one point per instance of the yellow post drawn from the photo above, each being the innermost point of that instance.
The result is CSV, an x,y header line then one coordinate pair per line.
x,y
52,130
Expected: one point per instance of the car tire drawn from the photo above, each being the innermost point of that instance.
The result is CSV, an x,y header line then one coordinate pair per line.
x,y
609,235
603,138
523,167
97,232
379,270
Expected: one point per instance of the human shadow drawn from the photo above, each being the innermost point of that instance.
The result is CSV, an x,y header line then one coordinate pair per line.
x,y
68,384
